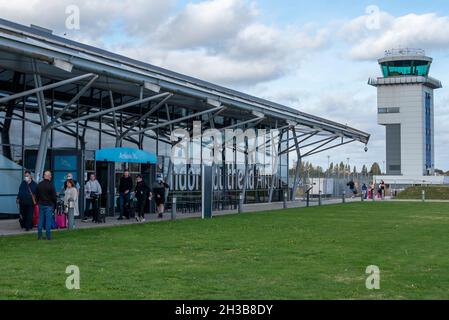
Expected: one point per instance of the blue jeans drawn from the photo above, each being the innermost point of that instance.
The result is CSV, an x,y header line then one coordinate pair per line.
x,y
123,199
45,214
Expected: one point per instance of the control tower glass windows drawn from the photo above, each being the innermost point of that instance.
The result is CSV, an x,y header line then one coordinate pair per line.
x,y
405,68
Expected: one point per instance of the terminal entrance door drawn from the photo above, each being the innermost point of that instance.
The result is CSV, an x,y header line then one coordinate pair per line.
x,y
110,165
103,173
109,174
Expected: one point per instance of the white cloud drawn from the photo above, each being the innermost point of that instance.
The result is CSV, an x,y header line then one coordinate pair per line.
x,y
258,40
427,31
223,69
218,68
359,28
224,41
97,17
206,23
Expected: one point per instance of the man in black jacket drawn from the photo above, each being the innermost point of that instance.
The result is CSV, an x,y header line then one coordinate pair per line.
x,y
27,191
125,187
46,199
159,191
142,194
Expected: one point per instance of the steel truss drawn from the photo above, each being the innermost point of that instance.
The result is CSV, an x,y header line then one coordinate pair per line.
x,y
131,101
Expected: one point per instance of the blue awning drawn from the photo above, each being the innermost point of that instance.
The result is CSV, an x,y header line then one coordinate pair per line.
x,y
129,155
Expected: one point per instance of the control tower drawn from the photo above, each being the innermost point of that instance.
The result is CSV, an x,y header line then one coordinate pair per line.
x,y
405,106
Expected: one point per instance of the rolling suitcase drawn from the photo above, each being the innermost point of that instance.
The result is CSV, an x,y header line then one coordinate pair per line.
x,y
101,215
61,220
60,216
36,216
130,211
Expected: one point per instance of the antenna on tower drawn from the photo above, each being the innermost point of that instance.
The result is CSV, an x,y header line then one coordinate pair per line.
x,y
405,52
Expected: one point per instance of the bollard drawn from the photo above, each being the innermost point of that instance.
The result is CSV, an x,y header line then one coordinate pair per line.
x,y
362,196
285,200
423,195
240,202
343,198
71,214
319,198
308,199
173,209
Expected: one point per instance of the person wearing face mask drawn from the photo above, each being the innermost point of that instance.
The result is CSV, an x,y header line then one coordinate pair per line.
x,y
26,200
68,177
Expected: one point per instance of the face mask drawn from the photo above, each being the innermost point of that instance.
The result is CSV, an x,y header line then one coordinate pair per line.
x,y
27,179
69,178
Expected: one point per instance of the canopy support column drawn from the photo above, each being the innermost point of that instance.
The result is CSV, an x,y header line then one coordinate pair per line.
x,y
45,131
275,169
298,166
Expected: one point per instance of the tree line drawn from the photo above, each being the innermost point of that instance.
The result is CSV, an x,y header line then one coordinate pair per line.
x,y
338,169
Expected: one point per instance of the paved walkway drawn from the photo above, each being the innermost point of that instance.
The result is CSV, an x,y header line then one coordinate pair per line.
x,y
11,226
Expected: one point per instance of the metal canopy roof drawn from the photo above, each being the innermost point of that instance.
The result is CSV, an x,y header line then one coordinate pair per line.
x,y
19,43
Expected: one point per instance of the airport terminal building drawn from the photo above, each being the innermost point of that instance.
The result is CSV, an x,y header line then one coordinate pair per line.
x,y
70,107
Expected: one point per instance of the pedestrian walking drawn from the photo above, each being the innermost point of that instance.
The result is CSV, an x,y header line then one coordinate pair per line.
x,y
142,193
382,188
125,188
46,199
159,194
351,185
92,191
365,191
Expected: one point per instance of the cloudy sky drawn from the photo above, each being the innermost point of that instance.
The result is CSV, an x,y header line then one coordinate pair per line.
x,y
315,56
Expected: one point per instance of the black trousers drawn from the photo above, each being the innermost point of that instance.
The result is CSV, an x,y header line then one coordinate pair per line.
x,y
141,207
94,204
27,212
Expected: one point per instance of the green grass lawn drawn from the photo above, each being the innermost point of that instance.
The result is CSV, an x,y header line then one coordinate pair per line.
x,y
432,193
307,253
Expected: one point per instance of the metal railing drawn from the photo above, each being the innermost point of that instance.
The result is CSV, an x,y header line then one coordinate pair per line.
x,y
405,52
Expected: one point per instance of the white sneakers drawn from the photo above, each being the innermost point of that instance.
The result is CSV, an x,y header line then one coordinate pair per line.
x,y
139,219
